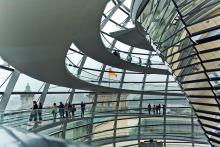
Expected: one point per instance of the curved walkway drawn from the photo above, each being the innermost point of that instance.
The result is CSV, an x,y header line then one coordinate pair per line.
x,y
88,39
20,119
13,137
36,44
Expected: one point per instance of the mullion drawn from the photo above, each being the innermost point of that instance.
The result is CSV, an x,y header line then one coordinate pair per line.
x,y
208,39
180,59
200,96
180,50
207,30
204,104
204,61
195,49
203,20
208,112
190,7
201,80
202,88
162,20
178,29
201,8
176,43
209,50
186,66
185,4
209,119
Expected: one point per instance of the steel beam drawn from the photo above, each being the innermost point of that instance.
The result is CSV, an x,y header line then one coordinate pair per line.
x,y
165,112
9,89
44,94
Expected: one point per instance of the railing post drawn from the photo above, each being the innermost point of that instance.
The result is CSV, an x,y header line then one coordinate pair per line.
x,y
192,127
63,134
141,100
165,112
117,108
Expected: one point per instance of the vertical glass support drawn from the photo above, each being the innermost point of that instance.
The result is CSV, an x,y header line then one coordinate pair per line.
x,y
9,89
192,127
116,118
44,94
71,96
141,99
94,106
116,109
90,136
164,111
81,65
63,134
140,107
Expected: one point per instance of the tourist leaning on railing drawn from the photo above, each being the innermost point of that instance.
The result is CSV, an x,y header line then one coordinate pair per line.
x,y
61,110
54,111
69,109
34,112
83,107
66,110
40,112
73,110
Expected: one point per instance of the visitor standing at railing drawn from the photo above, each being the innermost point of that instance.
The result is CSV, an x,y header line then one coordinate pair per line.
x,y
159,107
73,110
164,108
116,53
54,111
66,110
34,112
149,108
139,60
61,110
83,106
154,109
40,112
69,109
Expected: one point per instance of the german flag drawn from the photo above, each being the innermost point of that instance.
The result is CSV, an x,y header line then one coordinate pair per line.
x,y
112,73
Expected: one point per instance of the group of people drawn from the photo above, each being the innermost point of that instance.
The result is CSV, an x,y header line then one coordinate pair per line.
x,y
117,54
64,110
67,110
36,112
156,109
129,57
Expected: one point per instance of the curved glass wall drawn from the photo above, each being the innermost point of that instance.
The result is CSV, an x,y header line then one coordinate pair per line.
x,y
187,35
117,19
114,121
110,119
89,70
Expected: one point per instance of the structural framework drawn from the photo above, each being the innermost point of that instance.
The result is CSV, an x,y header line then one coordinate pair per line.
x,y
145,69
